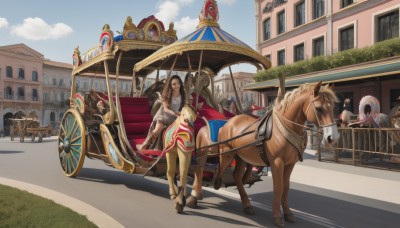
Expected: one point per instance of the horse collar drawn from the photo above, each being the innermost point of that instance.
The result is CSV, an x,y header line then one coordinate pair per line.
x,y
298,141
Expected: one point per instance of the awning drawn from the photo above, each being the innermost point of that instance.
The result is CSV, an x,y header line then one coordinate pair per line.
x,y
378,68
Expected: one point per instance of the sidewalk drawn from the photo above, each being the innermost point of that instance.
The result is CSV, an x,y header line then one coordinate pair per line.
x,y
371,183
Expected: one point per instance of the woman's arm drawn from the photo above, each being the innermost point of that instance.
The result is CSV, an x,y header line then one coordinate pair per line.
x,y
167,109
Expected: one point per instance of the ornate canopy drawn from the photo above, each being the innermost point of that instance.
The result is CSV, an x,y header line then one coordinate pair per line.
x,y
134,42
220,49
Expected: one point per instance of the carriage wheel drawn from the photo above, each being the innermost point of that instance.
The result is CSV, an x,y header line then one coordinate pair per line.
x,y
71,143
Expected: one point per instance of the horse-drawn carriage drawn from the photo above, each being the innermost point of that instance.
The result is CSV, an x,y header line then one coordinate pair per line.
x,y
24,126
111,127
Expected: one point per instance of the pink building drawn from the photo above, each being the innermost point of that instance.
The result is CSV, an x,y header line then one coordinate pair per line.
x,y
293,30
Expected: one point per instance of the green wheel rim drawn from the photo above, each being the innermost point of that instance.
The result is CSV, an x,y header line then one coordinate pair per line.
x,y
71,143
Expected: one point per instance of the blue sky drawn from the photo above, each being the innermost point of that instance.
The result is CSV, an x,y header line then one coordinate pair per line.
x,y
54,28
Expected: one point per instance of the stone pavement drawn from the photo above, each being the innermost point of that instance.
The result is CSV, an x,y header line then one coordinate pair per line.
x,y
371,183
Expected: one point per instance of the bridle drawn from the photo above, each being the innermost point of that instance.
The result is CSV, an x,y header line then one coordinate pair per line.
x,y
320,127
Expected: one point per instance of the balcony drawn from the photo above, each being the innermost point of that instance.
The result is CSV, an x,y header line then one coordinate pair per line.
x,y
9,96
21,98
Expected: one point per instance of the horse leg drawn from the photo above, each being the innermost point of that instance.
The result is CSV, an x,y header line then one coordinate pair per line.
x,y
288,215
277,167
171,167
224,161
184,162
197,189
237,176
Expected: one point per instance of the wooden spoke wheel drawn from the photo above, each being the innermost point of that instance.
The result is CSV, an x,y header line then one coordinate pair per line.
x,y
71,143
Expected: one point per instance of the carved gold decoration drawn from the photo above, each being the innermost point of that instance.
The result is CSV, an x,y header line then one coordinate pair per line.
x,y
179,48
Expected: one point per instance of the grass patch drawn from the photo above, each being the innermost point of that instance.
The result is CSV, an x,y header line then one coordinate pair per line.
x,y
23,209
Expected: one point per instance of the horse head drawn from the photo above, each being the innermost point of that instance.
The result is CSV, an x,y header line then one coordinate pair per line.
x,y
188,115
319,111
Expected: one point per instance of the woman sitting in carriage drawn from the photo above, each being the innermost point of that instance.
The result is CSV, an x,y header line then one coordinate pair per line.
x,y
173,99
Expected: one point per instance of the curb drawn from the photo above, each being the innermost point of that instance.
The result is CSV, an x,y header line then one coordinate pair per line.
x,y
93,214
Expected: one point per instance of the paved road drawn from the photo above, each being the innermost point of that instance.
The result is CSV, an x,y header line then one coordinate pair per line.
x,y
322,194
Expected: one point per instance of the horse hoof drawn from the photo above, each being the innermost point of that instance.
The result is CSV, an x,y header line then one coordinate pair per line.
x,y
191,202
248,210
278,222
172,196
217,183
178,207
289,218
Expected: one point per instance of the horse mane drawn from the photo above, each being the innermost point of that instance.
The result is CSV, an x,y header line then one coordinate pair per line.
x,y
325,93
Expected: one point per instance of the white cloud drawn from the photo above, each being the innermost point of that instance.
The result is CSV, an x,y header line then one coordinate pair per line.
x,y
185,2
37,29
3,22
168,11
185,26
227,2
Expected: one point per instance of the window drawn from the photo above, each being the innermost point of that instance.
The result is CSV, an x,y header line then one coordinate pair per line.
x,y
346,3
34,95
46,97
318,47
61,82
318,8
300,14
9,93
299,52
21,74
267,29
388,26
346,38
281,22
54,81
34,76
9,72
281,57
21,93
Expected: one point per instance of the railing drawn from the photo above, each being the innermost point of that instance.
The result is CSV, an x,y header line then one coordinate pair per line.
x,y
378,147
9,96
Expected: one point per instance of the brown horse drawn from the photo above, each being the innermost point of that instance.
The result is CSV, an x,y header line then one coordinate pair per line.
x,y
309,102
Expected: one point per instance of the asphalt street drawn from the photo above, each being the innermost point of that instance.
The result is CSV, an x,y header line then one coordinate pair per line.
x,y
322,194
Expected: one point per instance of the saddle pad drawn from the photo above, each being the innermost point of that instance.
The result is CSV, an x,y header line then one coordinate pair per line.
x,y
214,126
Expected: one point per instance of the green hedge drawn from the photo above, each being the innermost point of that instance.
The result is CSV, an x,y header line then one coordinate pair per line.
x,y
381,50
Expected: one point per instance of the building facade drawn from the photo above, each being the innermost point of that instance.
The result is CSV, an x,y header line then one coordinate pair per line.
x,y
56,91
294,30
30,83
224,90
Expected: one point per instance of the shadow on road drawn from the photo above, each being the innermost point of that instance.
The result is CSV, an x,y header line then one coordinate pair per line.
x,y
336,209
155,187
132,181
10,151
